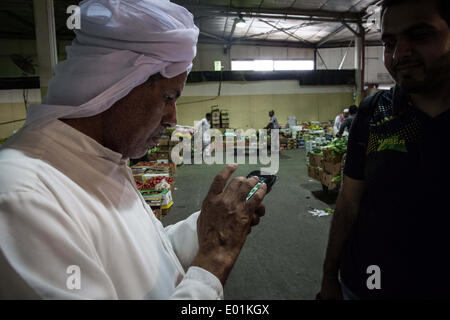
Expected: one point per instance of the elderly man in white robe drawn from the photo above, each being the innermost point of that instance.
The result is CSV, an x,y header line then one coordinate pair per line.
x,y
72,223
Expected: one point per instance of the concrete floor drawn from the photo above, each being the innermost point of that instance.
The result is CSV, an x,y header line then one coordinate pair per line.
x,y
283,255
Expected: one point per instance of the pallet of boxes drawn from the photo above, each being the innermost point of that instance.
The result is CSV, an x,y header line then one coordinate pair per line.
x,y
154,179
215,117
224,119
332,163
315,170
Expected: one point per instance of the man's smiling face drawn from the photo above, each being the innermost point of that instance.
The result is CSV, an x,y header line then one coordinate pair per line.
x,y
416,42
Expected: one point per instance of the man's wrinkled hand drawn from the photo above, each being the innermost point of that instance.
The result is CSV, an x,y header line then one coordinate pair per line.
x,y
226,219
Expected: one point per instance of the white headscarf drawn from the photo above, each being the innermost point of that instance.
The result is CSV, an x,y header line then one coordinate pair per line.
x,y
120,44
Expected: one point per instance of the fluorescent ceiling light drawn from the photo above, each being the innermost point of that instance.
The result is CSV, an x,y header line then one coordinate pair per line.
x,y
293,65
271,65
385,87
263,65
252,65
242,65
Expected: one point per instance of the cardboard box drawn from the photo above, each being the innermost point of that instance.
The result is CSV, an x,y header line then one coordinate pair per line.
x,y
163,141
172,169
165,196
152,156
328,156
315,173
139,177
139,170
331,167
283,139
164,148
158,170
148,176
315,159
162,155
327,181
318,173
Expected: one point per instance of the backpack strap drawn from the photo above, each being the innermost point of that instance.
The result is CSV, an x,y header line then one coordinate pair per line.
x,y
366,110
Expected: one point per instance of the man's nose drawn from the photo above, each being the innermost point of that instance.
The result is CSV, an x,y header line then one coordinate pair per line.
x,y
402,50
170,119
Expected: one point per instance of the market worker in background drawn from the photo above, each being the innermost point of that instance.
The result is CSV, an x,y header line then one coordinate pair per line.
x,y
339,120
390,236
273,122
72,222
346,125
203,126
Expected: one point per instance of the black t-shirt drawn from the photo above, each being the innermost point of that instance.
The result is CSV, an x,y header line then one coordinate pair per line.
x,y
404,222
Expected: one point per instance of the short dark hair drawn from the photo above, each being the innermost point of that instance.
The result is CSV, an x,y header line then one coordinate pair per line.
x,y
208,114
352,109
443,7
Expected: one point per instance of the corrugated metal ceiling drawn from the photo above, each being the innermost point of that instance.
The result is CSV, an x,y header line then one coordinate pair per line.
x,y
302,23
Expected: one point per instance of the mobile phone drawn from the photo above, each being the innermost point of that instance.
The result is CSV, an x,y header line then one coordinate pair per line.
x,y
269,180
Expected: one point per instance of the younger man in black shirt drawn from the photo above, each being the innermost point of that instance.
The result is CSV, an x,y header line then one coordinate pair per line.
x,y
390,235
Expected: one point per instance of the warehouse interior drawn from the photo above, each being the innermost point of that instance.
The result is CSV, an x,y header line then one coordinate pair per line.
x,y
305,60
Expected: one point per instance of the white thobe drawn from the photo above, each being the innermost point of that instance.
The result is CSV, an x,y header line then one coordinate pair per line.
x,y
73,225
203,126
337,124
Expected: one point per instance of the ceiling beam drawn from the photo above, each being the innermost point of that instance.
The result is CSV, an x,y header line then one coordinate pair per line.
x,y
286,13
288,33
266,43
269,32
330,35
277,43
351,29
210,35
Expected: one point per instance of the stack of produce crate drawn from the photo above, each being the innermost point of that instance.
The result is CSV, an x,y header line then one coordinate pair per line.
x,y
291,143
215,117
325,163
224,119
156,184
332,163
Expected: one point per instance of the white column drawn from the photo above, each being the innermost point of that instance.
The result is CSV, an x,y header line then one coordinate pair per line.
x,y
44,20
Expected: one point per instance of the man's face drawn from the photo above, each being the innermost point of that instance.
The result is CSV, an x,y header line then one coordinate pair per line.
x,y
135,122
271,114
416,46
